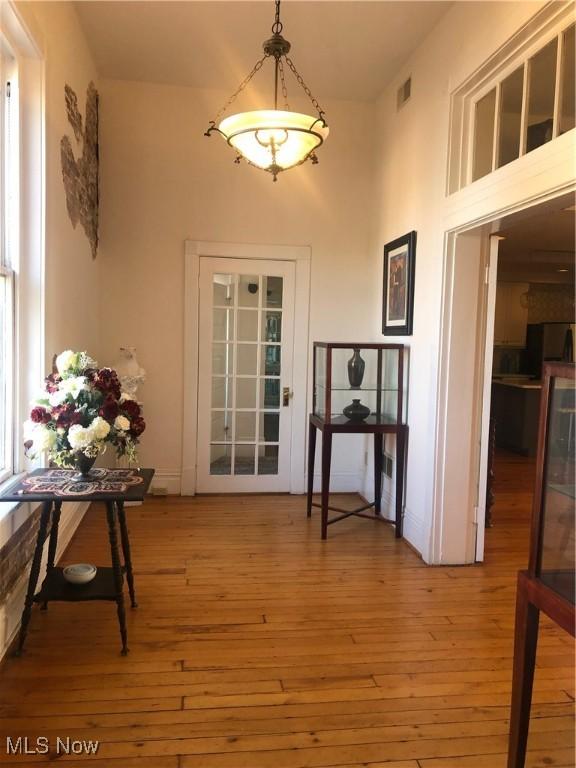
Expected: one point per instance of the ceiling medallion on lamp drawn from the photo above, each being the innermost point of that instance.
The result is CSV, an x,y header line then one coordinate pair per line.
x,y
273,139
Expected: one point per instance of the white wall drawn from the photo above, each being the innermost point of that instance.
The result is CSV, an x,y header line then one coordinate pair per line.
x,y
412,157
70,273
164,182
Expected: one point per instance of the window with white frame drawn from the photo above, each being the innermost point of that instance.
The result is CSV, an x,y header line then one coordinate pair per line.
x,y
9,167
528,108
519,99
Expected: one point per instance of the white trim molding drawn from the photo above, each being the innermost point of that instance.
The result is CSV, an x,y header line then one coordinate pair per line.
x,y
301,256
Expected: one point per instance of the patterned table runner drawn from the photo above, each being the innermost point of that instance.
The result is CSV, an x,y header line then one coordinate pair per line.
x,y
62,483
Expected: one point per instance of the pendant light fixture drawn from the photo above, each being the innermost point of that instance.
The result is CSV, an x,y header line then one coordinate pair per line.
x,y
273,139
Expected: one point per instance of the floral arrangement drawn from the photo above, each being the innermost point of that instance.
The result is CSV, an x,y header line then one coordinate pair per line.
x,y
80,410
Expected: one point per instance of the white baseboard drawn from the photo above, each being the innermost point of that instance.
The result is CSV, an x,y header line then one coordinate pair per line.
x,y
340,482
171,480
413,529
416,533
11,609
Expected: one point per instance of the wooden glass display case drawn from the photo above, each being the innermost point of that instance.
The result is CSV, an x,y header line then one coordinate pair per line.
x,y
358,388
359,383
548,584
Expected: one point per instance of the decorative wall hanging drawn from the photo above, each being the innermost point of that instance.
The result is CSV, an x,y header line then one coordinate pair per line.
x,y
398,293
273,139
80,175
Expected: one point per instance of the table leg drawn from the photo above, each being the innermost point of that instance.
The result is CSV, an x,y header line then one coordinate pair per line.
x,y
53,543
400,465
117,568
326,461
311,458
34,573
525,643
126,552
378,448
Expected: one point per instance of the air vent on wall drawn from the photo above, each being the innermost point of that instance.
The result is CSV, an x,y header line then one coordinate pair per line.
x,y
404,93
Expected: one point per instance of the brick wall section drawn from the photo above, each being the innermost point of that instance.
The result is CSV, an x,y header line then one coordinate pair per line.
x,y
17,553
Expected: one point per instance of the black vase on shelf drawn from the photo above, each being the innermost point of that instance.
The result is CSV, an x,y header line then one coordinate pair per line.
x,y
356,366
356,411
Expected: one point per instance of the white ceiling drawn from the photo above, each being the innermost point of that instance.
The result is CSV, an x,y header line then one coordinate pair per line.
x,y
344,50
535,249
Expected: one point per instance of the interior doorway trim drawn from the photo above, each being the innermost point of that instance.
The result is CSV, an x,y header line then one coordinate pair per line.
x,y
459,424
301,255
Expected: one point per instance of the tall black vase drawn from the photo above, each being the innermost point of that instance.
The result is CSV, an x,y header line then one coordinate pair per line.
x,y
356,366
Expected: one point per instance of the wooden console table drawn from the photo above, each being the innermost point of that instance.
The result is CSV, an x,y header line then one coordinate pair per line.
x,y
341,425
52,487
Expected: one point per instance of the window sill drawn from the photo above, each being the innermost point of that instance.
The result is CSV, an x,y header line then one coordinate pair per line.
x,y
9,506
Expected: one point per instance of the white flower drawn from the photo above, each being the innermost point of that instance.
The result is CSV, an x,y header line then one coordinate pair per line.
x,y
57,398
99,428
65,361
126,396
122,423
85,361
43,439
80,437
73,386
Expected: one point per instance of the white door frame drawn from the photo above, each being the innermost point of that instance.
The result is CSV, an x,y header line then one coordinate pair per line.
x,y
301,256
458,446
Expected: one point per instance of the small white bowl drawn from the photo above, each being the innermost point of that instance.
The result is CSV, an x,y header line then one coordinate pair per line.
x,y
79,573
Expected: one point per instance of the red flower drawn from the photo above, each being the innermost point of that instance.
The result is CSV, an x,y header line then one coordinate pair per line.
x,y
109,409
106,380
131,409
138,426
40,415
52,381
66,415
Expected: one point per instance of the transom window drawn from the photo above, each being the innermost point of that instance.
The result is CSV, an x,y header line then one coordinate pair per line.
x,y
526,109
518,100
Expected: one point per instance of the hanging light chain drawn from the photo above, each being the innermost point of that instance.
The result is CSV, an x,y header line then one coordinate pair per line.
x,y
305,88
283,84
277,27
237,92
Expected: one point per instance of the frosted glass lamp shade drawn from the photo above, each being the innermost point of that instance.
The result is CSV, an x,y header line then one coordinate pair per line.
x,y
274,140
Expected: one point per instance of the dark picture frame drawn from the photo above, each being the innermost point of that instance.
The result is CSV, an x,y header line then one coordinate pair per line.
x,y
398,285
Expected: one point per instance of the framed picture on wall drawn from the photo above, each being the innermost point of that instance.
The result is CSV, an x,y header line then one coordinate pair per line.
x,y
398,294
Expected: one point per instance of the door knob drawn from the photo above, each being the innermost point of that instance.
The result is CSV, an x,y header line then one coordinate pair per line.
x,y
286,395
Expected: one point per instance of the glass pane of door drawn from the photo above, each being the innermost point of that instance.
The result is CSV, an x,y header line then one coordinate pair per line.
x,y
246,369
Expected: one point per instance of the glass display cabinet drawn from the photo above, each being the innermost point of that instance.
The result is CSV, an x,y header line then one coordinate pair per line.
x,y
359,383
358,388
548,584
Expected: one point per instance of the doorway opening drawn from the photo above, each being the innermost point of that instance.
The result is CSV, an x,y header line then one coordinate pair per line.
x,y
533,323
465,385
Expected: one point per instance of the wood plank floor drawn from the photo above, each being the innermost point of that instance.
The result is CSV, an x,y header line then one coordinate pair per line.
x,y
256,645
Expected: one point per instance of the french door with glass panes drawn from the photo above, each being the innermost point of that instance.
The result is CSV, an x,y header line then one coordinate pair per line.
x,y
245,375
